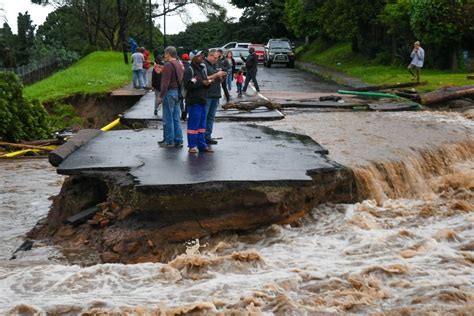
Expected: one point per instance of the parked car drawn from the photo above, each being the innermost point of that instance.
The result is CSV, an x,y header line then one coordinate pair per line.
x,y
239,63
259,51
230,45
279,51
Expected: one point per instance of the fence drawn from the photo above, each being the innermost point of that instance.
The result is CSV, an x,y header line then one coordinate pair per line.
x,y
35,71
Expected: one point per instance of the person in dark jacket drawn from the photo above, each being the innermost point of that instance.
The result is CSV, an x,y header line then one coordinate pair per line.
x,y
251,63
224,65
196,84
214,92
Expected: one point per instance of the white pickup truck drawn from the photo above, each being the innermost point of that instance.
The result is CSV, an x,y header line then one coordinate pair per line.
x,y
230,45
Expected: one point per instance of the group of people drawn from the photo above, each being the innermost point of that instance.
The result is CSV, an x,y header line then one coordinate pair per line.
x,y
140,66
189,88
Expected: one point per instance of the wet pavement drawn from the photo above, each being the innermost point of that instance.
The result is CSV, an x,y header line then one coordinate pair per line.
x,y
142,112
245,153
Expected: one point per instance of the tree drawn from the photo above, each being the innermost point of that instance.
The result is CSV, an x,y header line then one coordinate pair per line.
x,y
7,53
439,23
19,118
25,39
261,20
396,18
63,28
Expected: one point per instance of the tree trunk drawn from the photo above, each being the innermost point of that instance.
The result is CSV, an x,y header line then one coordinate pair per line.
x,y
355,45
391,86
122,30
446,94
454,58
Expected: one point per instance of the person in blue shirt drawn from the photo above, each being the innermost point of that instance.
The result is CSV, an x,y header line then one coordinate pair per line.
x,y
133,45
417,59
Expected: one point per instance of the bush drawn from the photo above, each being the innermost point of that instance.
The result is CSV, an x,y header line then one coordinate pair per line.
x,y
63,116
20,119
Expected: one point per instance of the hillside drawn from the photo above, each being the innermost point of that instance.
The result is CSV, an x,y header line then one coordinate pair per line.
x,y
98,72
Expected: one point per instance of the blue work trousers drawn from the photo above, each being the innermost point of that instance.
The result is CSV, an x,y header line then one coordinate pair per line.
x,y
197,126
171,118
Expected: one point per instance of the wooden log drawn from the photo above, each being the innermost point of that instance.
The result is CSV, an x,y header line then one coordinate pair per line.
x,y
43,142
446,94
470,77
62,152
390,86
24,146
249,106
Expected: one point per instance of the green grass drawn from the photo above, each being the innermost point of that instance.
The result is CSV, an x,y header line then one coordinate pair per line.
x,y
341,58
98,72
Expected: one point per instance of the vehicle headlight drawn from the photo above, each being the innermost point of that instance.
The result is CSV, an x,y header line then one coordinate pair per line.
x,y
271,54
290,54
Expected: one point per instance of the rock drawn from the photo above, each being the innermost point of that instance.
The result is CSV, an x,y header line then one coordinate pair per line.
x,y
132,247
109,257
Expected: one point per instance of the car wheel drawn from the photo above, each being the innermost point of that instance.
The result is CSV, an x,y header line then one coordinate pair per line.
x,y
292,64
269,65
264,63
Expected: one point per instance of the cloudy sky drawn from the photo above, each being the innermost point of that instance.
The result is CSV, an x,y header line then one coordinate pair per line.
x,y
174,24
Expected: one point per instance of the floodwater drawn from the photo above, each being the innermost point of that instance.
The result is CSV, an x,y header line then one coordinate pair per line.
x,y
393,254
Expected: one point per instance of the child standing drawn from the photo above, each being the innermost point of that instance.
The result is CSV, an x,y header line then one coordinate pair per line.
x,y
239,79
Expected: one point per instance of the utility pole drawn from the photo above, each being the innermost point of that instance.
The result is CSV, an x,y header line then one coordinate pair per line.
x,y
150,11
164,24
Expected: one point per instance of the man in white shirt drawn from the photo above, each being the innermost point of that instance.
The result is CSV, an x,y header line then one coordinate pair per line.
x,y
417,58
137,69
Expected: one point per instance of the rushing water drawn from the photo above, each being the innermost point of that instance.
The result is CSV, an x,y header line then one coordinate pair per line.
x,y
397,256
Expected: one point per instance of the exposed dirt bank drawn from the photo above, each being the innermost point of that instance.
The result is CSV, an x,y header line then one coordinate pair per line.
x,y
389,156
97,111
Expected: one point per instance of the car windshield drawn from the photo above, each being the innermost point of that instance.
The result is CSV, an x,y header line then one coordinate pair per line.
x,y
280,44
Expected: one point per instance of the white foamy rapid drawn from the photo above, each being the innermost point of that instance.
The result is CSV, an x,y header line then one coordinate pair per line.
x,y
399,256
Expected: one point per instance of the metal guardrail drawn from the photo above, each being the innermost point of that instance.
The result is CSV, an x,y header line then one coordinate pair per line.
x,y
35,71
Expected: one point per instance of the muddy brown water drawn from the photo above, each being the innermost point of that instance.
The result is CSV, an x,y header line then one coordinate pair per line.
x,y
407,250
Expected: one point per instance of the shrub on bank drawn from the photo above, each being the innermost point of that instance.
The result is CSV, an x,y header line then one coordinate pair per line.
x,y
20,119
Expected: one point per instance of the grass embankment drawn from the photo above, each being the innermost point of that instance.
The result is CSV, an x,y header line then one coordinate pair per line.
x,y
98,72
340,57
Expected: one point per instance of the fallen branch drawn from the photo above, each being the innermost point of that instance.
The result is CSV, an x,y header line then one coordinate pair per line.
x,y
24,146
249,106
470,77
390,86
446,94
43,142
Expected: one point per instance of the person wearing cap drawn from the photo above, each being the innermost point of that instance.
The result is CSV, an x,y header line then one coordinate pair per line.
x,y
196,84
214,92
224,65
417,58
171,77
251,63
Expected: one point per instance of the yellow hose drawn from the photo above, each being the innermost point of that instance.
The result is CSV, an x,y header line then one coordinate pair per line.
x,y
111,125
22,152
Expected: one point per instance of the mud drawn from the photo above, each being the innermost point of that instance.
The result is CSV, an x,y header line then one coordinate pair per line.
x,y
98,110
